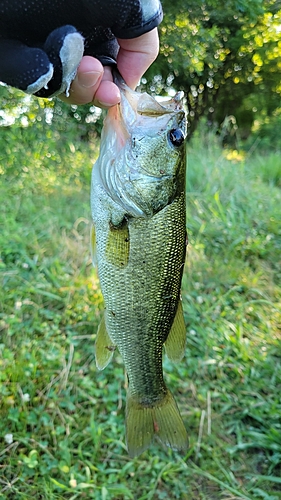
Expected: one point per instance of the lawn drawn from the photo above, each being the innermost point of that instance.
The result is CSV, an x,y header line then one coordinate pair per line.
x,y
61,420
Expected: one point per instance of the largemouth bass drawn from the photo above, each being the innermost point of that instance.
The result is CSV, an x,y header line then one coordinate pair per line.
x,y
139,235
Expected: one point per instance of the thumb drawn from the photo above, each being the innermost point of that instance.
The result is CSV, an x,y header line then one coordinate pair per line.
x,y
136,55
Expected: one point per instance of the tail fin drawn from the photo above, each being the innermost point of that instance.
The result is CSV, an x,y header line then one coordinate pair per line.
x,y
162,420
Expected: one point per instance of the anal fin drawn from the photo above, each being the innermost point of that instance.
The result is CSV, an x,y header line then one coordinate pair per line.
x,y
175,343
104,347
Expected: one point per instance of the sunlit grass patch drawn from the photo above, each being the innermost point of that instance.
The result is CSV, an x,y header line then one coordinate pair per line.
x,y
234,155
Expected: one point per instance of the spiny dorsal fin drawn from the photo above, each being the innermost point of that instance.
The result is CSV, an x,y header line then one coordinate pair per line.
x,y
104,347
175,343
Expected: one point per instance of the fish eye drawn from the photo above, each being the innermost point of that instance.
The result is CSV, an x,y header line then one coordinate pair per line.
x,y
176,137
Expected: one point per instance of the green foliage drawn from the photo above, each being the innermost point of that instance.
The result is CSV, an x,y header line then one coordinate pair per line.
x,y
225,56
62,421
21,110
266,134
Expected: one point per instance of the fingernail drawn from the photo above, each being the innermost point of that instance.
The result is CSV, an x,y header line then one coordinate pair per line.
x,y
89,79
104,104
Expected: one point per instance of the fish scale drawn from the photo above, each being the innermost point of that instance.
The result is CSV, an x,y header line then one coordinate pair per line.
x,y
137,286
140,257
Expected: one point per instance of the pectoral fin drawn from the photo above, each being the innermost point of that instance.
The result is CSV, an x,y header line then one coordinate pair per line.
x,y
118,244
104,347
175,343
93,245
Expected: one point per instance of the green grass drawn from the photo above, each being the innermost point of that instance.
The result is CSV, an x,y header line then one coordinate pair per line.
x,y
65,417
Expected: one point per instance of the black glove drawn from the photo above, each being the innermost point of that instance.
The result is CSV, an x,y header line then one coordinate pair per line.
x,y
42,42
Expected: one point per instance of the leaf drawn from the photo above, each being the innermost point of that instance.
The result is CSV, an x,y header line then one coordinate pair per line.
x,y
120,490
59,485
272,479
264,495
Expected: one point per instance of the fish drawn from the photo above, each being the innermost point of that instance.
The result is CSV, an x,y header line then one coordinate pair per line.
x,y
139,245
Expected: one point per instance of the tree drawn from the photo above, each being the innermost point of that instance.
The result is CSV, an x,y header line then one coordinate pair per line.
x,y
225,56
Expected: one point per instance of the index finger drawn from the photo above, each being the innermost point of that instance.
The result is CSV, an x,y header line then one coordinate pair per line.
x,y
92,84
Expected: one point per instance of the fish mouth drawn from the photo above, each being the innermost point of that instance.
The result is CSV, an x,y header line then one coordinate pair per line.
x,y
146,105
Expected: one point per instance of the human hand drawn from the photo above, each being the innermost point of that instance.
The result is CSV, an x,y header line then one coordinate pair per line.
x,y
94,83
